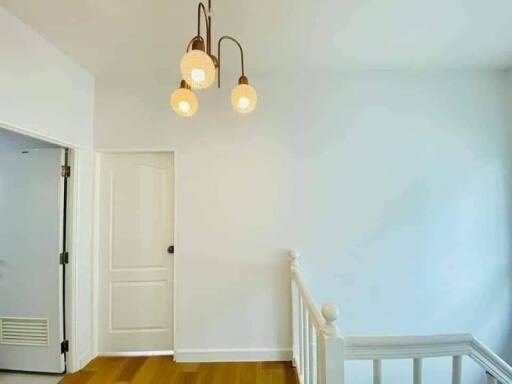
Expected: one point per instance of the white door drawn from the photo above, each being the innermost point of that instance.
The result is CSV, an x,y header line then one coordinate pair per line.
x,y
31,213
136,216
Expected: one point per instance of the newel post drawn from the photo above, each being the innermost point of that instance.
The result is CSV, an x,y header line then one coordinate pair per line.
x,y
294,265
331,362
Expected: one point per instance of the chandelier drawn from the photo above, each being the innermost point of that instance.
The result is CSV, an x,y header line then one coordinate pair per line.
x,y
199,67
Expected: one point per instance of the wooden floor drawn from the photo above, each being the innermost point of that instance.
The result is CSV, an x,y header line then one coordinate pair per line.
x,y
162,370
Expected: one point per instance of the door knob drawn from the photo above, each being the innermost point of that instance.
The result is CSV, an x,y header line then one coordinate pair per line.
x,y
170,249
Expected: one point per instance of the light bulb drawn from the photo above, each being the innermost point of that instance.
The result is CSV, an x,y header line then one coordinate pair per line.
x,y
197,75
184,106
243,103
184,102
198,69
244,98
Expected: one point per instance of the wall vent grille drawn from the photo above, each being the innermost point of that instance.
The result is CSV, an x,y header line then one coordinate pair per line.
x,y
21,331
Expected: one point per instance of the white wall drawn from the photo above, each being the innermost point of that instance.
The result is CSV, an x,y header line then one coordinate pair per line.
x,y
394,186
44,93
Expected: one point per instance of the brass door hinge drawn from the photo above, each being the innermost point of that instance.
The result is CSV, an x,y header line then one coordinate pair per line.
x,y
64,258
65,171
64,346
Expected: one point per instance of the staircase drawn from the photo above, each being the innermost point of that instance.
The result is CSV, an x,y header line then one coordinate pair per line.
x,y
320,351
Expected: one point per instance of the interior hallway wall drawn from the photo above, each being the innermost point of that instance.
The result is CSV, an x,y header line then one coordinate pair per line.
x,y
394,186
43,92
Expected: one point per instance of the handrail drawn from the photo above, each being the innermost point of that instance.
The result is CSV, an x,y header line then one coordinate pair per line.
x,y
406,347
325,364
308,299
418,347
317,344
491,362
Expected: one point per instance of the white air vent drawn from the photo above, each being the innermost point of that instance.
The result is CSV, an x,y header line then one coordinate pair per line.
x,y
32,332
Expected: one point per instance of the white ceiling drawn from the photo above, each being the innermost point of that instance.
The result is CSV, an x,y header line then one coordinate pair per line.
x,y
135,37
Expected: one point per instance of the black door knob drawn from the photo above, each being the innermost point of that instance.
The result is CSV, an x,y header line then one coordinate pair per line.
x,y
170,249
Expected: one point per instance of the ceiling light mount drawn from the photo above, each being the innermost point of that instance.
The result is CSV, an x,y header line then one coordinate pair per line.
x,y
199,66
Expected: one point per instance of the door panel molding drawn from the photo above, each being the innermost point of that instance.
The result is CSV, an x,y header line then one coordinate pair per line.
x,y
147,174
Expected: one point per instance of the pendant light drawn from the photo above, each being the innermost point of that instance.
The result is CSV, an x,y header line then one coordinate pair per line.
x,y
184,101
198,69
243,96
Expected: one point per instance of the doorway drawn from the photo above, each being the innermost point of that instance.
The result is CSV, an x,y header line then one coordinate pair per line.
x,y
135,198
33,253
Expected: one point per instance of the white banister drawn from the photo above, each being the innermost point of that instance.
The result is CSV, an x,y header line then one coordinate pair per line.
x,y
491,362
317,344
300,336
312,353
331,345
308,301
406,347
295,315
490,378
457,370
417,370
319,351
377,371
305,345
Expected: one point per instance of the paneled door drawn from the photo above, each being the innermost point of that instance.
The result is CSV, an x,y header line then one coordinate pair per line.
x,y
136,213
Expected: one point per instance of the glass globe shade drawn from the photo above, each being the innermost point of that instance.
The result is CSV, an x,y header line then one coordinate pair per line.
x,y
184,102
244,98
198,69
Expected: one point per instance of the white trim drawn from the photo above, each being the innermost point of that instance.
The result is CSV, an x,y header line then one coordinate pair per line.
x,y
86,359
406,347
95,247
75,152
37,135
491,362
95,254
133,150
132,354
233,355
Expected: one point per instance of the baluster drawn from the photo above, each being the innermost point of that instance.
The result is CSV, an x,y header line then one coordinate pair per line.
x,y
312,352
301,343
491,379
320,357
294,264
457,370
306,347
377,371
331,354
418,370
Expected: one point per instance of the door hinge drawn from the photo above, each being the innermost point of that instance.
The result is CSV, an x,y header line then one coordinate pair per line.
x,y
64,346
64,258
65,171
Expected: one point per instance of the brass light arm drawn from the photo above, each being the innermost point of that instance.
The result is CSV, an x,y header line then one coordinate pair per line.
x,y
199,66
201,8
218,55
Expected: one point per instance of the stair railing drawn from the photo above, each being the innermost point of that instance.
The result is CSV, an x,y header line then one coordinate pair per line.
x,y
319,351
317,344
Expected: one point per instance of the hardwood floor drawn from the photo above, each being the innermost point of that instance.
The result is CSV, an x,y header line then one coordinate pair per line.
x,y
162,370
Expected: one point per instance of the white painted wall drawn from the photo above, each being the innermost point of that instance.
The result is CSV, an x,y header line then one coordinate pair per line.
x,y
394,186
43,92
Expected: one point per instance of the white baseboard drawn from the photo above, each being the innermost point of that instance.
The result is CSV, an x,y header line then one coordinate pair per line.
x,y
84,360
232,355
135,353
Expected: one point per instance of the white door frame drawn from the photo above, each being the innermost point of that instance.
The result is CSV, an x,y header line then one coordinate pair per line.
x,y
73,238
96,249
